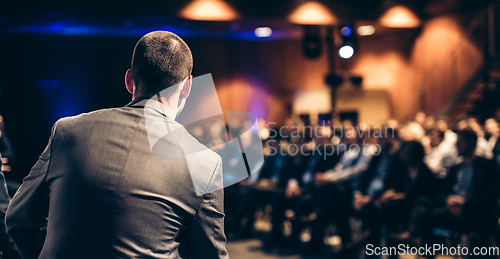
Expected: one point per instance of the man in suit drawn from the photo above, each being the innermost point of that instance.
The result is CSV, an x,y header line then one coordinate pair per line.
x,y
469,196
382,181
404,214
100,190
380,184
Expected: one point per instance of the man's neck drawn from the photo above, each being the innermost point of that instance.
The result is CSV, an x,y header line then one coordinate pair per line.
x,y
170,103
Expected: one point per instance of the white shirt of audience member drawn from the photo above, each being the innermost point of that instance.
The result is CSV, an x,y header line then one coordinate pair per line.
x,y
443,156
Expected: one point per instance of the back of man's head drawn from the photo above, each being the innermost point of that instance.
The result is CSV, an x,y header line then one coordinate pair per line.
x,y
466,142
161,59
468,135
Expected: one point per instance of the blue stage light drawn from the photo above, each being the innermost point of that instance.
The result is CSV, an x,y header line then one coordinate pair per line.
x,y
346,31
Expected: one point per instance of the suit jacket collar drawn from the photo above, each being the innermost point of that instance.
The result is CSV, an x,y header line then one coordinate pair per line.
x,y
152,103
138,102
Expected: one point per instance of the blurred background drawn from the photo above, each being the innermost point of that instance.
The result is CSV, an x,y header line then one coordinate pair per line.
x,y
290,62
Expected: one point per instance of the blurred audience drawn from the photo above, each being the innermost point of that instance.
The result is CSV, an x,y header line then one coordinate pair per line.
x,y
392,184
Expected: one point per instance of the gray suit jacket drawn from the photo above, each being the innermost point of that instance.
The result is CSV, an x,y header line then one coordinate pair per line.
x,y
98,191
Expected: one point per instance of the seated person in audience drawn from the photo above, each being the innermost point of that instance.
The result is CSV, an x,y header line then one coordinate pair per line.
x,y
275,171
238,195
450,137
271,181
469,195
352,162
405,214
378,185
440,154
483,149
300,194
335,185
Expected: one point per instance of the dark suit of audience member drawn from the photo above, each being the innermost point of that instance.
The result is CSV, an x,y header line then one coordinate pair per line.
x,y
276,171
334,192
271,181
386,172
290,196
404,211
378,185
478,184
469,195
300,194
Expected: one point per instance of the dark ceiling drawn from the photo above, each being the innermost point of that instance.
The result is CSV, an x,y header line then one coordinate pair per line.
x,y
274,9
135,18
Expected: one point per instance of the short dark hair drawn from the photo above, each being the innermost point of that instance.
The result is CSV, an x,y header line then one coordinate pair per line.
x,y
161,59
413,151
468,135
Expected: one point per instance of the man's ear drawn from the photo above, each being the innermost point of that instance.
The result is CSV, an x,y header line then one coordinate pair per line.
x,y
129,81
186,88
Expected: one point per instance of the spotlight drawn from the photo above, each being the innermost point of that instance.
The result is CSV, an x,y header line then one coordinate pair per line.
x,y
349,40
366,30
346,51
209,10
312,13
400,17
346,31
263,32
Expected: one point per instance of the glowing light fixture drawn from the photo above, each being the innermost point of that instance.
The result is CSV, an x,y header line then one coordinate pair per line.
x,y
209,10
263,32
346,51
366,30
399,17
346,31
312,13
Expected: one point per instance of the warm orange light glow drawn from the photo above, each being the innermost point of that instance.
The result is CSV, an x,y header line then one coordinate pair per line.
x,y
399,17
312,13
366,30
209,10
